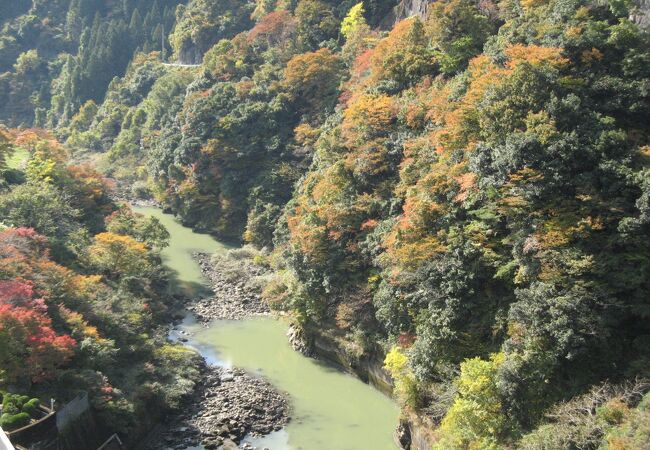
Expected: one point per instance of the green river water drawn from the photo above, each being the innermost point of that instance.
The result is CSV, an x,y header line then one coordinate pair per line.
x,y
331,410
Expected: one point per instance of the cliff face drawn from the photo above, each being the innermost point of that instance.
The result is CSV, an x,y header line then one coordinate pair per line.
x,y
408,8
642,15
405,9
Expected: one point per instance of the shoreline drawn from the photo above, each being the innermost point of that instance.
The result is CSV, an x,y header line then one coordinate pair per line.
x,y
225,408
228,404
230,299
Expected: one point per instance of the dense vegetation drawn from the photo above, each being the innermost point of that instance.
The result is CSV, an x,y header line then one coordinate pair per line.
x,y
57,55
471,189
82,294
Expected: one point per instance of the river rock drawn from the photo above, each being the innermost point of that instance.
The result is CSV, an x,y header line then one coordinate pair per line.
x,y
230,300
221,414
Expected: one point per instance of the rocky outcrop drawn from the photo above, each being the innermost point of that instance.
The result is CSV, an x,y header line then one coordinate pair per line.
x,y
641,15
229,405
404,10
190,54
232,300
415,432
325,343
299,341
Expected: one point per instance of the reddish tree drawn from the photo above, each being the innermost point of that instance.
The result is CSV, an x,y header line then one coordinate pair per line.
x,y
273,28
20,293
31,351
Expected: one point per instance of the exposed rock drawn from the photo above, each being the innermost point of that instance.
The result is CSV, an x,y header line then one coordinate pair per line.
x,y
405,9
299,340
641,14
403,435
231,300
229,405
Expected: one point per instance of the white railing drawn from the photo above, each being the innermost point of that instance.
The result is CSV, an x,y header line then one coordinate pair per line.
x,y
4,441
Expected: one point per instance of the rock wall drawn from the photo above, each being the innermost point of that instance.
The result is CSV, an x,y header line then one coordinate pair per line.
x,y
327,344
419,431
404,10
642,14
413,432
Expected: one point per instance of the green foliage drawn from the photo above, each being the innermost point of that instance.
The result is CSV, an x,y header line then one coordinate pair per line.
x,y
316,23
17,410
76,48
631,430
44,208
476,418
148,230
12,422
470,184
406,386
31,407
66,329
458,29
6,150
202,23
353,20
606,417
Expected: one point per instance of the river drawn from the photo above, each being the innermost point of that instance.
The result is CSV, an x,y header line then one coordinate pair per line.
x,y
331,410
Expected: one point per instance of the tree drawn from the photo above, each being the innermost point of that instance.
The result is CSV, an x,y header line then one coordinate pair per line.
x,y
44,208
353,20
148,230
20,293
83,119
356,32
403,57
316,23
458,29
313,78
118,255
31,351
475,420
6,148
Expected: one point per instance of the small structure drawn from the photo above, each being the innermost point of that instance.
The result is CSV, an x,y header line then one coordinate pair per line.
x,y
5,444
42,428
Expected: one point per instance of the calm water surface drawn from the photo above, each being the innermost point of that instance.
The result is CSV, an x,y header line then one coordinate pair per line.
x,y
331,410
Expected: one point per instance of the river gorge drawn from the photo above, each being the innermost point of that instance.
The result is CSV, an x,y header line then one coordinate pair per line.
x,y
329,409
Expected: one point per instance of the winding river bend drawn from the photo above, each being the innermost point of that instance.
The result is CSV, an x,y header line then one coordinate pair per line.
x,y
331,410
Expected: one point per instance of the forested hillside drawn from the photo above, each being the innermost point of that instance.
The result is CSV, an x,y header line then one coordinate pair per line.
x,y
469,188
55,55
82,293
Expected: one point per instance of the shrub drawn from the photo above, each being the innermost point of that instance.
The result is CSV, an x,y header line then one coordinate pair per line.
x,y
12,422
31,407
590,419
476,418
11,404
406,386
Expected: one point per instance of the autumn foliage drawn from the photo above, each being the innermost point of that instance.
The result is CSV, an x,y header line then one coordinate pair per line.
x,y
31,351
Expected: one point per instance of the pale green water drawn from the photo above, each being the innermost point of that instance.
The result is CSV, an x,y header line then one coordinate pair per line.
x,y
183,243
330,410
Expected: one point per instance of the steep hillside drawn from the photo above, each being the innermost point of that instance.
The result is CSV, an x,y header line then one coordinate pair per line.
x,y
469,189
56,55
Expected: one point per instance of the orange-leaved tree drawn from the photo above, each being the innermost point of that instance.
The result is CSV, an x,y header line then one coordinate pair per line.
x,y
117,255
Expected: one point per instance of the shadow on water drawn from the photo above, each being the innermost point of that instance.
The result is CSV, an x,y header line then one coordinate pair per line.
x,y
331,410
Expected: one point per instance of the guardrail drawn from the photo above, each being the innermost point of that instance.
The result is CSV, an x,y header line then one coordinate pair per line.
x,y
35,431
5,444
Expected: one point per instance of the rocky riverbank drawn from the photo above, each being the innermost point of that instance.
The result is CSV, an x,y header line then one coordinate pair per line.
x,y
229,405
234,298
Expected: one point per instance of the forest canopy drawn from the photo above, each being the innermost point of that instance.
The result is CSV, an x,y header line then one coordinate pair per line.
x,y
466,191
